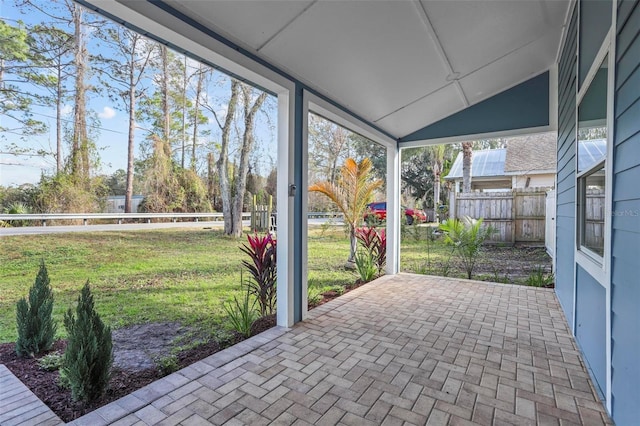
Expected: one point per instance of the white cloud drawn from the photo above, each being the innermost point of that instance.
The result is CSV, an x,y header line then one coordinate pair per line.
x,y
107,113
66,110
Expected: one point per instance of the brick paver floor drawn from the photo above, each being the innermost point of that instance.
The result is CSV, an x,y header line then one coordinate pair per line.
x,y
19,406
405,349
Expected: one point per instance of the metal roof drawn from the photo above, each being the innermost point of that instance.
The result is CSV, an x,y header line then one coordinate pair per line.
x,y
485,163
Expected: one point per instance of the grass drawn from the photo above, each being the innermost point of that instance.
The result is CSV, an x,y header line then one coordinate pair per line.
x,y
180,275
144,276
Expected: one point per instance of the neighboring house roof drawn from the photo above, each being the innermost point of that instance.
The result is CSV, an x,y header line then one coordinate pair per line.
x,y
485,163
533,154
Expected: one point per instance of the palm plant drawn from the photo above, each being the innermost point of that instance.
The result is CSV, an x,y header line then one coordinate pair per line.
x,y
466,236
351,192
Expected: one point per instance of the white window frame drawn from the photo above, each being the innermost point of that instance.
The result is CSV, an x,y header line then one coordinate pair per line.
x,y
599,266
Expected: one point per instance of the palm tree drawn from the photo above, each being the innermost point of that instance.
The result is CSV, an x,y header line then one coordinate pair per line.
x,y
467,152
437,163
351,192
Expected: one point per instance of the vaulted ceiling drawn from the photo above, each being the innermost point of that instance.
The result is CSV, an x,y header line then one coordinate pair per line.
x,y
397,63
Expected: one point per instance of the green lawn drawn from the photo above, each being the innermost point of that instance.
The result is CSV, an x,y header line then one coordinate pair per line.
x,y
174,275
158,275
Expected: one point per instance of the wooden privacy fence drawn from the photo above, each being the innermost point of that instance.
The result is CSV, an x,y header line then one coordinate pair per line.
x,y
517,215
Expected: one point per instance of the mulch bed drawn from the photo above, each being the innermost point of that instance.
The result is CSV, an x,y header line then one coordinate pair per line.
x,y
44,384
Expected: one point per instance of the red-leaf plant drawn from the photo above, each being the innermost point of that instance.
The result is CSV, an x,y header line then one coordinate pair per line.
x,y
375,243
262,268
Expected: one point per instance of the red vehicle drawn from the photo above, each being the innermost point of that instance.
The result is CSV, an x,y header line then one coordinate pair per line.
x,y
379,210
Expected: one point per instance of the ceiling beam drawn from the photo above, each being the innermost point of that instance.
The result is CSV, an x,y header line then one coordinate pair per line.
x,y
452,75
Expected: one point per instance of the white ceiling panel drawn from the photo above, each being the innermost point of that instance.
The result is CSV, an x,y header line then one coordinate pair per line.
x,y
393,62
249,23
429,109
475,33
374,57
509,70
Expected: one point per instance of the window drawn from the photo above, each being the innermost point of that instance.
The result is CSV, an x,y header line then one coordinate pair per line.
x,y
592,153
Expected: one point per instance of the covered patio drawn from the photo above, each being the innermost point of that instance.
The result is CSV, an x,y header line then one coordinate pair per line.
x,y
404,349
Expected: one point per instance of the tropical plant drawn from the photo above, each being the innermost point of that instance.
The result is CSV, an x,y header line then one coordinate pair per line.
x,y
351,192
242,313
36,328
86,366
539,277
365,265
262,267
466,236
17,208
374,242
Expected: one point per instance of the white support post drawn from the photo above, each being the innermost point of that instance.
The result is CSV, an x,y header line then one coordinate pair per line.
x,y
285,178
393,210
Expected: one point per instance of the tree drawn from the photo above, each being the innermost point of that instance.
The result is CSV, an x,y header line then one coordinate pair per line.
x,y
252,102
467,153
366,148
327,144
80,166
126,71
437,163
53,46
416,173
351,192
16,57
233,180
222,164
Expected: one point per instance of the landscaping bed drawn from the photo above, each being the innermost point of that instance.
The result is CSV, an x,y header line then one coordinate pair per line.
x,y
135,374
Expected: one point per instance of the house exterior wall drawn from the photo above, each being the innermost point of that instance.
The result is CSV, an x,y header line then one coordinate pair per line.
x,y
583,297
625,286
566,175
546,180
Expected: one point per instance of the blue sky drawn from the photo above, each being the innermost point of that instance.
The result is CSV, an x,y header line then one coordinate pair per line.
x,y
111,126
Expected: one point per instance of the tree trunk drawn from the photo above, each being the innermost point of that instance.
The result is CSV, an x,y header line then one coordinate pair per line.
x,y
211,179
80,143
223,160
467,153
353,245
184,111
131,140
436,195
196,114
250,112
59,162
164,86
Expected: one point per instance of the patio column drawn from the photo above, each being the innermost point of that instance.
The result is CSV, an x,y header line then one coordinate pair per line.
x,y
291,246
393,209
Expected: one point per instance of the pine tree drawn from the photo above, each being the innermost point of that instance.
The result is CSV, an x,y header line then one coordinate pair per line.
x,y
36,328
86,365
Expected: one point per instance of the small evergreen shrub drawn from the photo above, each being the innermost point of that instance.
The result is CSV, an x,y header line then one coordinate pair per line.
x,y
36,328
86,365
